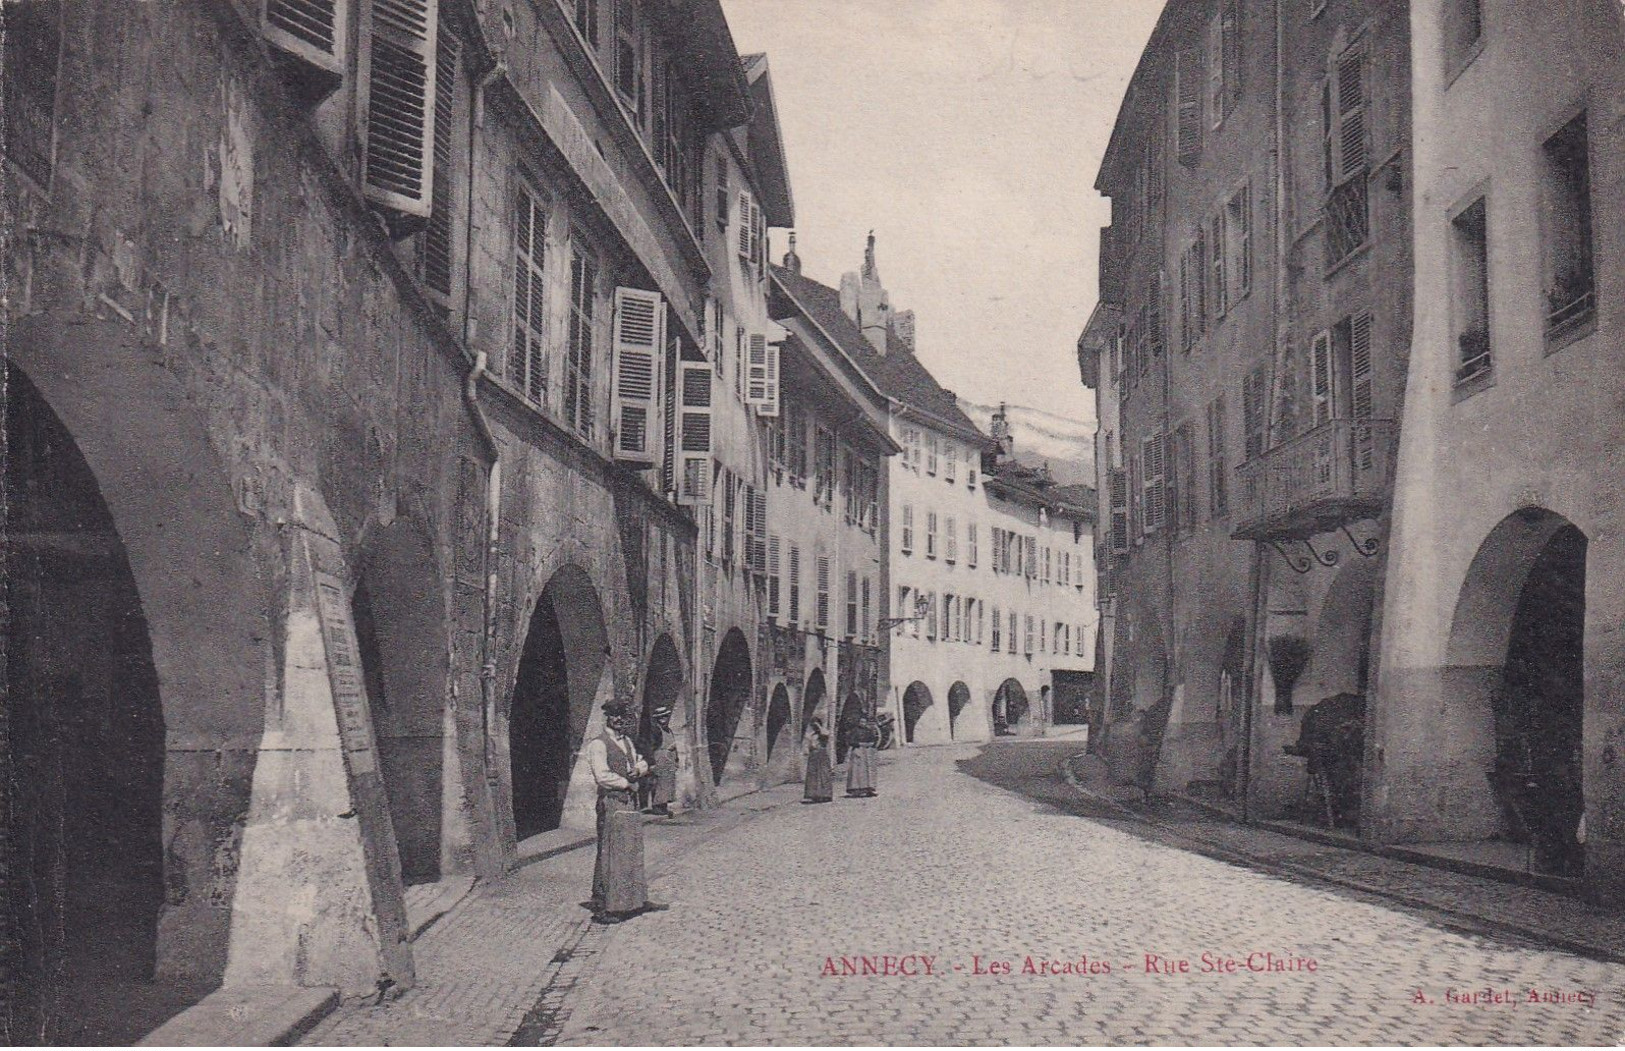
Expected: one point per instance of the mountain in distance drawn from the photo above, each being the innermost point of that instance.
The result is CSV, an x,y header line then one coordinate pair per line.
x,y
1039,437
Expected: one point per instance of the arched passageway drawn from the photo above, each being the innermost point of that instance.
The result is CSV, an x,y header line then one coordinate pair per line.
x,y
916,699
958,700
778,723
400,629
662,687
1010,707
560,667
85,740
1520,620
730,696
812,701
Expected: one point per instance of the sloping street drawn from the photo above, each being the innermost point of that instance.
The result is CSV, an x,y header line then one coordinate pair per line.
x,y
994,862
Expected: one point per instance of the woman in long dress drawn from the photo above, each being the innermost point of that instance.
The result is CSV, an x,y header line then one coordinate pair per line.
x,y
860,759
819,786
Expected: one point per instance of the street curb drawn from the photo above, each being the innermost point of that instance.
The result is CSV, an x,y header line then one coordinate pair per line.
x,y
1462,922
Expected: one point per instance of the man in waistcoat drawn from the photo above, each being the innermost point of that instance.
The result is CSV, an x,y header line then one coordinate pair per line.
x,y
619,889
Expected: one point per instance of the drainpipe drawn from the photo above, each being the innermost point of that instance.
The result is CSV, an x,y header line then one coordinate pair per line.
x,y
1260,562
493,482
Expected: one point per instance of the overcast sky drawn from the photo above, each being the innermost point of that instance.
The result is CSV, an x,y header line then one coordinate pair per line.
x,y
967,134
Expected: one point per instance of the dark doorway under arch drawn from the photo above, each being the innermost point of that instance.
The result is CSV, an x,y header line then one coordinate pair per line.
x,y
851,711
1539,717
958,699
85,741
559,669
778,722
401,634
916,699
662,686
1009,706
730,696
812,699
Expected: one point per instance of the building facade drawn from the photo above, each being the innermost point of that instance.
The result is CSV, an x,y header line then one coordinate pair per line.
x,y
1495,720
1254,377
339,495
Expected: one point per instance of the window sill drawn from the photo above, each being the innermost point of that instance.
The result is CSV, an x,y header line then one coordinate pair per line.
x,y
1463,389
1360,250
1573,332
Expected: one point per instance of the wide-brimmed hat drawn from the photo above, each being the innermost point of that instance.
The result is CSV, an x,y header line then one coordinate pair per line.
x,y
661,712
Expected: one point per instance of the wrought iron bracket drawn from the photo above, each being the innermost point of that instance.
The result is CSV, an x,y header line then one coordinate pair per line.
x,y
1299,565
1367,548
1329,559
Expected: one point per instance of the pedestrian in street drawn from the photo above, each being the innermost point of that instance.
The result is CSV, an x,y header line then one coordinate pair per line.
x,y
819,786
662,747
619,888
860,759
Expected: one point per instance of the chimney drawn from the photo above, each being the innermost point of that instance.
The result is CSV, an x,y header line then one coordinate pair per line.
x,y
1000,429
792,262
902,326
863,299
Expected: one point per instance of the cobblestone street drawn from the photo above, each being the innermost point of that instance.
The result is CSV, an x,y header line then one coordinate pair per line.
x,y
949,872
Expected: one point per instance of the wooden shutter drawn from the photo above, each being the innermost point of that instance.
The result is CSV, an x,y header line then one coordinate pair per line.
x,y
1153,480
1231,43
908,528
1215,70
746,236
1187,327
774,582
724,195
1242,205
309,30
1199,280
769,405
1352,149
639,337
822,581
951,531
1362,404
694,433
1221,290
756,370
793,605
755,530
1188,105
1320,376
435,258
398,131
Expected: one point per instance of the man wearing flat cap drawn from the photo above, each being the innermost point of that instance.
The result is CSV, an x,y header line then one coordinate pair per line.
x,y
661,749
619,888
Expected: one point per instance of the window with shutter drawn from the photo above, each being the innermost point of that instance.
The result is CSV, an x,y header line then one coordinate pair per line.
x,y
1199,285
639,337
1153,480
1218,471
1030,547
398,104
769,405
1347,219
1184,499
586,19
1320,376
758,528
950,461
311,31
930,534
1238,215
629,56
931,454
694,432
579,359
29,69
746,234
774,579
527,353
1152,330
822,581
950,535
867,618
723,194
793,587
998,630
970,545
1254,410
851,603
1215,70
1188,77
908,529
1360,371
1027,638
1216,257
434,256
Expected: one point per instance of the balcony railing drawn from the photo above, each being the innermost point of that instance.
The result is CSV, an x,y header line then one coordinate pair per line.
x,y
1332,475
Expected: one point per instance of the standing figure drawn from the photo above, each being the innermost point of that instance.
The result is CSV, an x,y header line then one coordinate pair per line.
x,y
619,888
662,747
860,758
819,786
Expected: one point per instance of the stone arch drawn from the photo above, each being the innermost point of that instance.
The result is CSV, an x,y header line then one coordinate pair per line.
x,y
731,683
1516,661
779,730
1342,634
400,623
958,701
812,700
185,618
564,673
916,699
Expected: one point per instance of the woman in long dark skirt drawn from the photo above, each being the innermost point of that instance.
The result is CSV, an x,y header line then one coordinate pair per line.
x,y
819,786
860,759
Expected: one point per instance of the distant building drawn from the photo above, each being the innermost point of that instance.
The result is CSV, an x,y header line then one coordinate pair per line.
x,y
990,579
